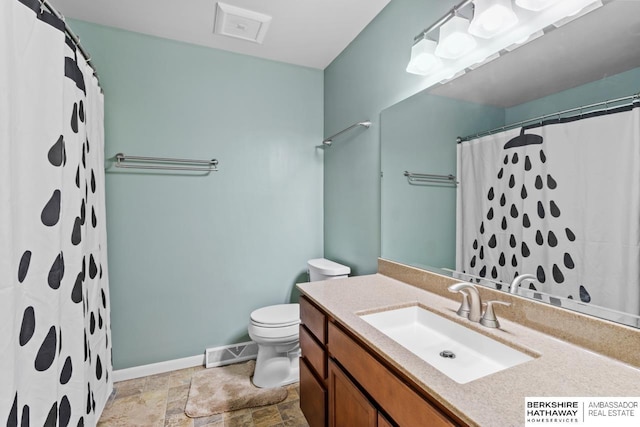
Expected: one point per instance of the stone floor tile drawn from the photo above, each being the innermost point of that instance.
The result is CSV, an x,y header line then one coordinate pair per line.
x,y
289,410
179,420
157,382
300,421
181,377
208,421
180,393
129,387
291,395
141,410
175,407
266,416
214,424
243,420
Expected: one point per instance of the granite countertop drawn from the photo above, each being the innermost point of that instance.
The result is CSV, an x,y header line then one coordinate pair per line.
x,y
558,368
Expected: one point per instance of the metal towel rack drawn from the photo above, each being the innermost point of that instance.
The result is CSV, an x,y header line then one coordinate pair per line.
x,y
138,162
425,177
366,124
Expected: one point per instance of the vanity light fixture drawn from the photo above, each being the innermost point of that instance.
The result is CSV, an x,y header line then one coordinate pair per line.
x,y
497,33
423,58
535,5
455,39
492,17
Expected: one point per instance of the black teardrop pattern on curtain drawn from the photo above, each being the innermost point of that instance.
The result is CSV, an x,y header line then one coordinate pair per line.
x,y
28,326
527,197
23,268
39,341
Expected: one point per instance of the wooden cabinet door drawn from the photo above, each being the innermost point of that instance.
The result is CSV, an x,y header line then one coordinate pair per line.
x,y
312,397
383,422
347,405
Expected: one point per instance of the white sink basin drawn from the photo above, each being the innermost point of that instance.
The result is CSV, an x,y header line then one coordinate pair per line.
x,y
427,335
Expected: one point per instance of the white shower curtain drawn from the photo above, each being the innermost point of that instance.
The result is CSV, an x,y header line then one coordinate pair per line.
x,y
55,346
563,205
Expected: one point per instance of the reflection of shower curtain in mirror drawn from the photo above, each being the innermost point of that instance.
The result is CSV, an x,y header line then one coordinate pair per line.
x,y
563,205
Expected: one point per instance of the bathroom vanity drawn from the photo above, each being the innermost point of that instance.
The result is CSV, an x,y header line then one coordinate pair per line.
x,y
353,374
343,383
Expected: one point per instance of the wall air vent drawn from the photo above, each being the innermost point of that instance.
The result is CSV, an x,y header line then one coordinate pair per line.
x,y
228,354
240,23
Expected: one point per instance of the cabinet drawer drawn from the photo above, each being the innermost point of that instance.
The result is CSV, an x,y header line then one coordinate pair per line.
x,y
403,405
313,397
313,352
313,319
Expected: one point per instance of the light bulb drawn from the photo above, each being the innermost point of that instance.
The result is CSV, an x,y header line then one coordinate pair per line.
x,y
423,59
455,40
535,5
492,17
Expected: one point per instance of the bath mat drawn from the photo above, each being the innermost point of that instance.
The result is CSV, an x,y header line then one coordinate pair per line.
x,y
228,388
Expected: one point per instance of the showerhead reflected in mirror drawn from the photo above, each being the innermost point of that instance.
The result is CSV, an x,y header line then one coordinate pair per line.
x,y
555,72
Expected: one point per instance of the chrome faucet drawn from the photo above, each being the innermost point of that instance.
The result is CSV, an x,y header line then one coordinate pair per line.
x,y
475,308
516,282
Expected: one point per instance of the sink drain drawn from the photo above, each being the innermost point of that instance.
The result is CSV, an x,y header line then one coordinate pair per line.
x,y
447,354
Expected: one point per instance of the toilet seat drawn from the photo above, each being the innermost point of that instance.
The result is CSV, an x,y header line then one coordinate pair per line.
x,y
284,334
276,316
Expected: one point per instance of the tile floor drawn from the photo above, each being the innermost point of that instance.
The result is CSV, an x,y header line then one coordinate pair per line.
x,y
159,400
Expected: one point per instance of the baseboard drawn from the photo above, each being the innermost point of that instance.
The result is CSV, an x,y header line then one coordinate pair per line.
x,y
157,368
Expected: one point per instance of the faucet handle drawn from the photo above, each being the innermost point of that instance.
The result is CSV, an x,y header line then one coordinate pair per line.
x,y
489,318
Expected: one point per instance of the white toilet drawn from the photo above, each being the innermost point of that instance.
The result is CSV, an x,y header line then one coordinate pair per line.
x,y
275,330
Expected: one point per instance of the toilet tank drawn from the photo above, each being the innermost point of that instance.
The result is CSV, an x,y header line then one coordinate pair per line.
x,y
324,269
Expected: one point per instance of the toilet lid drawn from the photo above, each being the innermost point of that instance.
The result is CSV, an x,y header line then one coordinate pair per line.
x,y
277,315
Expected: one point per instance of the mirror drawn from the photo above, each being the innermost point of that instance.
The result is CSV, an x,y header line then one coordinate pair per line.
x,y
591,59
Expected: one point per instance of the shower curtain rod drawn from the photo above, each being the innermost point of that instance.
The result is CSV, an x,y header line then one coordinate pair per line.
x,y
70,33
633,98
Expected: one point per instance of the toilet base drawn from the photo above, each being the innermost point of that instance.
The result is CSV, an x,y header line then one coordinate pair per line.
x,y
275,368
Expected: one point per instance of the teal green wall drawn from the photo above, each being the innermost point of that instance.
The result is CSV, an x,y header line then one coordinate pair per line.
x,y
419,134
366,78
191,256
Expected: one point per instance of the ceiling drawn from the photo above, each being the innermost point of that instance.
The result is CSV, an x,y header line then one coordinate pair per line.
x,y
310,33
600,44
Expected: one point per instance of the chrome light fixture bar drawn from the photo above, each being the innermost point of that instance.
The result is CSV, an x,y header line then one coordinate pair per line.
x,y
499,26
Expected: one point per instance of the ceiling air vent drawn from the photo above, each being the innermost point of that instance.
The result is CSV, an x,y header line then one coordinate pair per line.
x,y
240,23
